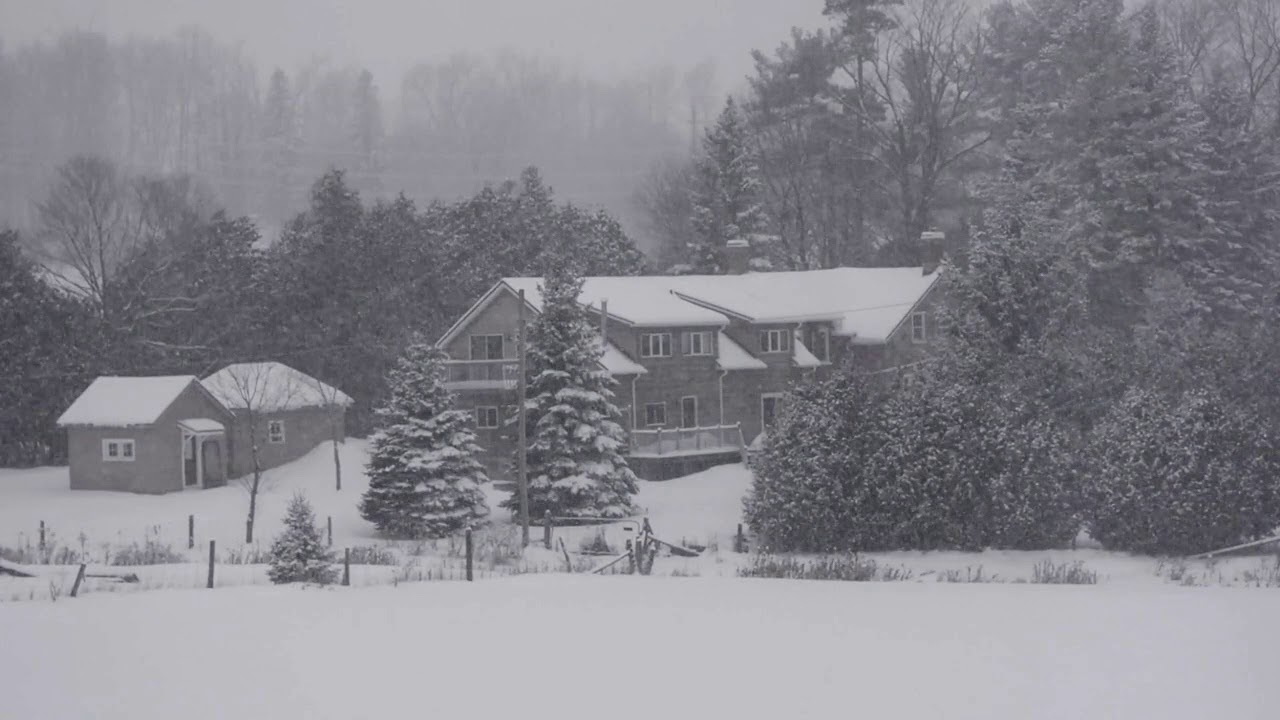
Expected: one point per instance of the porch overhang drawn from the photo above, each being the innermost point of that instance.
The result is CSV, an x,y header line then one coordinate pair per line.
x,y
202,426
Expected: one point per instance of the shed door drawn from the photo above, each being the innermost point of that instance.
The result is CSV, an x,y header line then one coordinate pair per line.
x,y
190,476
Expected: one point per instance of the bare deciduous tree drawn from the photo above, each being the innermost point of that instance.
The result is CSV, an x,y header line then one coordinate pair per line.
x,y
90,226
253,391
928,76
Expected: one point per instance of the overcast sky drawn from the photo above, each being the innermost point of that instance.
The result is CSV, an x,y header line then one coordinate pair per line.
x,y
602,37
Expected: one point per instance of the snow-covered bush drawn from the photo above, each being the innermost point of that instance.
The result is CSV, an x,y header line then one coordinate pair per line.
x,y
576,465
424,468
298,554
809,491
1181,474
853,464
965,465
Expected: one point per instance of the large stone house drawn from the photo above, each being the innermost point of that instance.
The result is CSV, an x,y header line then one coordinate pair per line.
x,y
702,362
163,434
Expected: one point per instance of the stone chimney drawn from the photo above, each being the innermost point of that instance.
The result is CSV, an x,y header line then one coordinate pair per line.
x,y
931,242
737,256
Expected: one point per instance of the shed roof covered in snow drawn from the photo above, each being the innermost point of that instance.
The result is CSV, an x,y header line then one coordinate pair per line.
x,y
271,387
113,401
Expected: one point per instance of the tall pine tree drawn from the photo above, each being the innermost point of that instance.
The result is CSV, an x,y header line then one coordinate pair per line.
x,y
726,199
424,475
575,457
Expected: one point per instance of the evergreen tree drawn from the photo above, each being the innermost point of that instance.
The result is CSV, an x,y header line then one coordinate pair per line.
x,y
298,554
576,466
281,143
726,200
1181,474
424,475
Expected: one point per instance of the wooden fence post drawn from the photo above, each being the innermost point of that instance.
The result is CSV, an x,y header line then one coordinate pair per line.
x,y
75,587
330,531
41,536
212,555
346,567
546,530
191,532
470,554
740,542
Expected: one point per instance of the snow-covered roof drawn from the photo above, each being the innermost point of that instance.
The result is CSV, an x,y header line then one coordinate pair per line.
x,y
732,356
867,304
202,425
617,362
643,301
803,357
112,401
271,387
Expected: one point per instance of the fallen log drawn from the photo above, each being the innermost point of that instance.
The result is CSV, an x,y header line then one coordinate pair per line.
x,y
1233,548
7,569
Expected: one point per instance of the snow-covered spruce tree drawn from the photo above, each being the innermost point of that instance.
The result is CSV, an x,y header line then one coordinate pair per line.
x,y
424,475
298,554
576,466
726,199
809,492
1181,474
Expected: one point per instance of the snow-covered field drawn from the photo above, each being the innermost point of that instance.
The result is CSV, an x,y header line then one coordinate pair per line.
x,y
565,647
702,509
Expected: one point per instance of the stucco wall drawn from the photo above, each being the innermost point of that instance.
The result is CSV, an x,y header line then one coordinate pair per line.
x,y
157,465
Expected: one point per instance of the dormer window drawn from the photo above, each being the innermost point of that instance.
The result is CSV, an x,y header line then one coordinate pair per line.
x,y
696,343
655,345
774,341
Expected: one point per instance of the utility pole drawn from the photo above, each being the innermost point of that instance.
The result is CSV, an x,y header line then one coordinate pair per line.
x,y
522,479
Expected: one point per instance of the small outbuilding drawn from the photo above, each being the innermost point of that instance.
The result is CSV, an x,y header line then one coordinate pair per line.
x,y
161,434
286,412
147,435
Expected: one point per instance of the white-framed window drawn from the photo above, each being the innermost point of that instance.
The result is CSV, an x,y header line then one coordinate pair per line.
x,y
770,405
689,411
653,345
118,450
487,347
919,327
275,431
774,341
655,414
696,343
487,417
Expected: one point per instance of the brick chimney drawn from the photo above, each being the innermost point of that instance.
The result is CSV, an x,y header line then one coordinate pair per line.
x,y
931,242
737,256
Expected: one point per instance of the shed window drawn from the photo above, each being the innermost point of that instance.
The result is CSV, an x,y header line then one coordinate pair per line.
x,y
275,432
117,450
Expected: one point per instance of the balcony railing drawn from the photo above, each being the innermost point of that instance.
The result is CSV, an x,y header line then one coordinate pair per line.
x,y
482,374
687,441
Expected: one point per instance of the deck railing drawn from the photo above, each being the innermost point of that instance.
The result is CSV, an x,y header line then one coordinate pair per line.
x,y
686,441
482,374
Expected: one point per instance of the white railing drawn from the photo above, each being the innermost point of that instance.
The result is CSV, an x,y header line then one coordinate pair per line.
x,y
686,441
482,374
